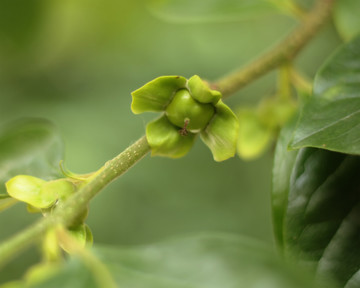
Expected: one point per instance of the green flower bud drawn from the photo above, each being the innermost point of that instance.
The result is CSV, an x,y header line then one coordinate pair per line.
x,y
81,235
191,108
184,110
29,189
254,135
38,193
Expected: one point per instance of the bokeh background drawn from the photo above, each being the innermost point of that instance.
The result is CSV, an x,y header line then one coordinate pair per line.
x,y
75,63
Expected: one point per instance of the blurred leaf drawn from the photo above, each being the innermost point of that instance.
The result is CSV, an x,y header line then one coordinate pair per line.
x,y
347,20
331,118
31,147
198,261
186,11
19,20
283,165
322,219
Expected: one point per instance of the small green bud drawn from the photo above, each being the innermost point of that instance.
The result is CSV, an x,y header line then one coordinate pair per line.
x,y
38,193
184,110
81,235
254,136
29,189
50,246
191,107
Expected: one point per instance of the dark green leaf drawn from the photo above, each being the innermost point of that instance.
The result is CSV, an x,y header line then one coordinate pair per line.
x,y
186,11
205,261
322,224
347,20
283,164
30,147
331,118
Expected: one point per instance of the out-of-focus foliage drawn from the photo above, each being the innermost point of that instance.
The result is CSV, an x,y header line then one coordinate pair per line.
x,y
76,62
205,260
346,18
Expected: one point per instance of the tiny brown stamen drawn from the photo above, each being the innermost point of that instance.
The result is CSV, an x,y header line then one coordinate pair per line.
x,y
183,131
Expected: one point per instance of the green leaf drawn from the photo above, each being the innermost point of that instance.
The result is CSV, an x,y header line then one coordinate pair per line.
x,y
188,11
322,220
165,139
201,91
331,118
346,16
156,94
221,133
29,147
283,164
211,261
29,189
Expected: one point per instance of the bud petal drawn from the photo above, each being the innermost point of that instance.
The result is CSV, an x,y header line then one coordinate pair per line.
x,y
156,94
221,133
165,139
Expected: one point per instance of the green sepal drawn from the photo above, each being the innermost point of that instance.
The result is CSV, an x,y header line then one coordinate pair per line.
x,y
32,209
221,133
254,136
29,189
165,139
80,234
201,91
156,94
62,188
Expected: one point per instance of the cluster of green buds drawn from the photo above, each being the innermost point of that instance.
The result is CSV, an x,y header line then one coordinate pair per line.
x,y
259,126
43,196
189,108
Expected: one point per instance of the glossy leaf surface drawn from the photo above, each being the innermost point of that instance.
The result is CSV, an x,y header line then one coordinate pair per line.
x,y
322,220
283,165
331,118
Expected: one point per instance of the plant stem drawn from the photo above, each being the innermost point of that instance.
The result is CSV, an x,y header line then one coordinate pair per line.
x,y
286,50
73,206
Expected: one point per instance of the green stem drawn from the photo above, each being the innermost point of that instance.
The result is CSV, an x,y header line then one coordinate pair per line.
x,y
69,211
286,50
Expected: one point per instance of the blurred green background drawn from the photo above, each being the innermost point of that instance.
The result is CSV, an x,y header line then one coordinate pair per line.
x,y
75,62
